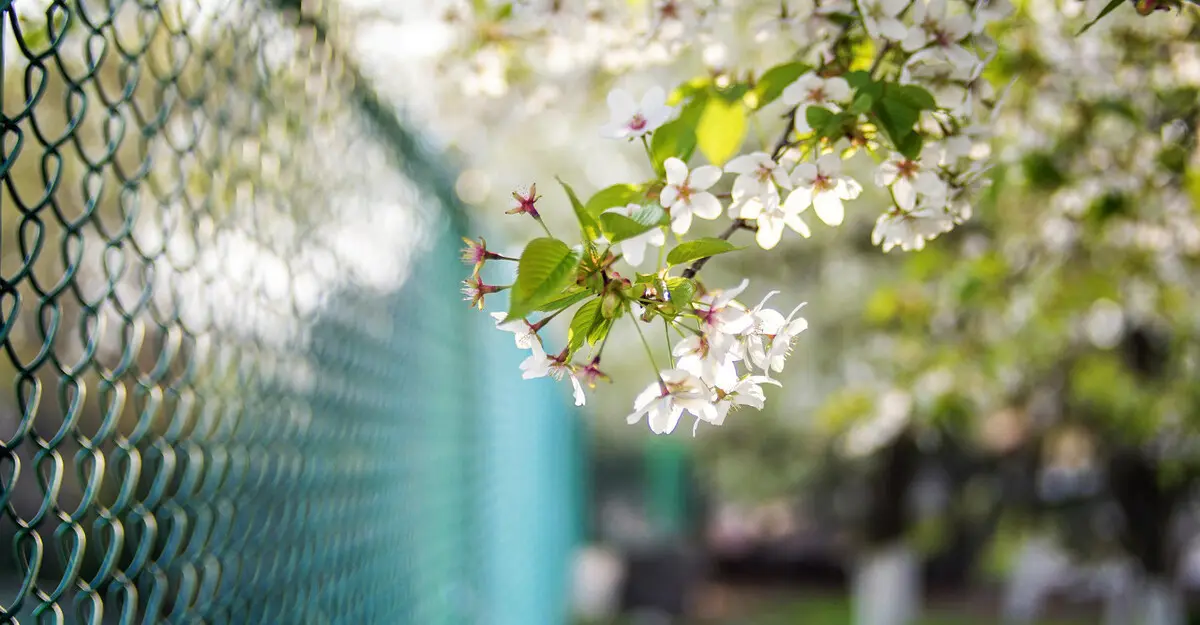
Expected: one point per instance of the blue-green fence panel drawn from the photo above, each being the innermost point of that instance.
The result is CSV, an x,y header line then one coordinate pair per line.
x,y
230,402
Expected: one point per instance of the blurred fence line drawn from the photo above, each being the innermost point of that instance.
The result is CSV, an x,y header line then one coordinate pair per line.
x,y
244,387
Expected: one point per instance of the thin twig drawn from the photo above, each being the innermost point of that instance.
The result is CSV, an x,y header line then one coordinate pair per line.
x,y
739,224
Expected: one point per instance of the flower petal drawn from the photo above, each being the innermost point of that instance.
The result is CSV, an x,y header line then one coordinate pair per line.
x,y
798,201
743,164
829,164
704,177
677,171
578,391
664,420
837,89
848,188
621,106
794,222
681,218
804,175
706,206
634,250
667,197
829,208
770,231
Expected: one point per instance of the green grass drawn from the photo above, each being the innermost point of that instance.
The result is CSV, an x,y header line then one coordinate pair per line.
x,y
830,611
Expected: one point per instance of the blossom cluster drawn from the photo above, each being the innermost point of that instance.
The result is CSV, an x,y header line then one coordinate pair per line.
x,y
920,108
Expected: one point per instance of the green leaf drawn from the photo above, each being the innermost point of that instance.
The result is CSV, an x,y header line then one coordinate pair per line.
x,y
546,267
618,227
862,82
721,129
559,303
1108,8
689,251
602,327
682,290
817,116
582,323
772,83
688,89
896,118
910,146
861,104
678,137
587,221
914,96
614,196
504,11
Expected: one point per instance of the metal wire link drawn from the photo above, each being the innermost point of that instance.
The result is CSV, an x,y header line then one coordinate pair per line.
x,y
213,373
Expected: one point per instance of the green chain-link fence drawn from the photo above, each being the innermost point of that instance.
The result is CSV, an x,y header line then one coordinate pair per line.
x,y
244,388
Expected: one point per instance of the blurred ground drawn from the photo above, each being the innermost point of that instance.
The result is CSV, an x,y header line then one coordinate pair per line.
x,y
725,604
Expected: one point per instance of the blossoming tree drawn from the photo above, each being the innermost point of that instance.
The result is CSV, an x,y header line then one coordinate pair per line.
x,y
738,154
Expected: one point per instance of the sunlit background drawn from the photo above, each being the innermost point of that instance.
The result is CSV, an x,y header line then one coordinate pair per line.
x,y
245,387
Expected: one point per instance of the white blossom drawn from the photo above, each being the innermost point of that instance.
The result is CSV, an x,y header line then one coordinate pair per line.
x,y
745,392
540,365
812,90
771,217
630,118
523,332
773,355
907,177
663,403
940,31
714,365
823,185
757,176
686,194
911,229
720,313
880,17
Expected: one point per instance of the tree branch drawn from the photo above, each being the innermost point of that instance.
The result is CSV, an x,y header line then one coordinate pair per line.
x,y
738,224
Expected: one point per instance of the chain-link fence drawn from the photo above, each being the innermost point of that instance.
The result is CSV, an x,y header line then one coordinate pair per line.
x,y
242,378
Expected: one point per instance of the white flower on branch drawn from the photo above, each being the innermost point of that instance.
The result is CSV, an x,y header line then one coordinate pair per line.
x,y
938,30
629,118
771,217
910,229
540,365
812,90
523,332
686,194
663,402
908,177
881,18
758,175
822,185
779,333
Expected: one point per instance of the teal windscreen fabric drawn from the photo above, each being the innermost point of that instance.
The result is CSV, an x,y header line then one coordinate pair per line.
x,y
240,385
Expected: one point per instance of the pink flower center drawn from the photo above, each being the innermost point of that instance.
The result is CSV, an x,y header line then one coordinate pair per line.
x,y
817,95
685,191
822,183
907,168
763,173
638,122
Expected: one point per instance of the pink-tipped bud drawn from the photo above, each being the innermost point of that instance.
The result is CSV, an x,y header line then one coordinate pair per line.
x,y
526,203
474,290
591,374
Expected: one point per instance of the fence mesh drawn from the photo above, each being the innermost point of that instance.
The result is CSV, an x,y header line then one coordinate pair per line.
x,y
223,309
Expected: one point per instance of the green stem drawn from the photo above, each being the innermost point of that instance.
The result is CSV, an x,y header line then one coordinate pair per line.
x,y
649,352
543,225
547,319
649,154
667,333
